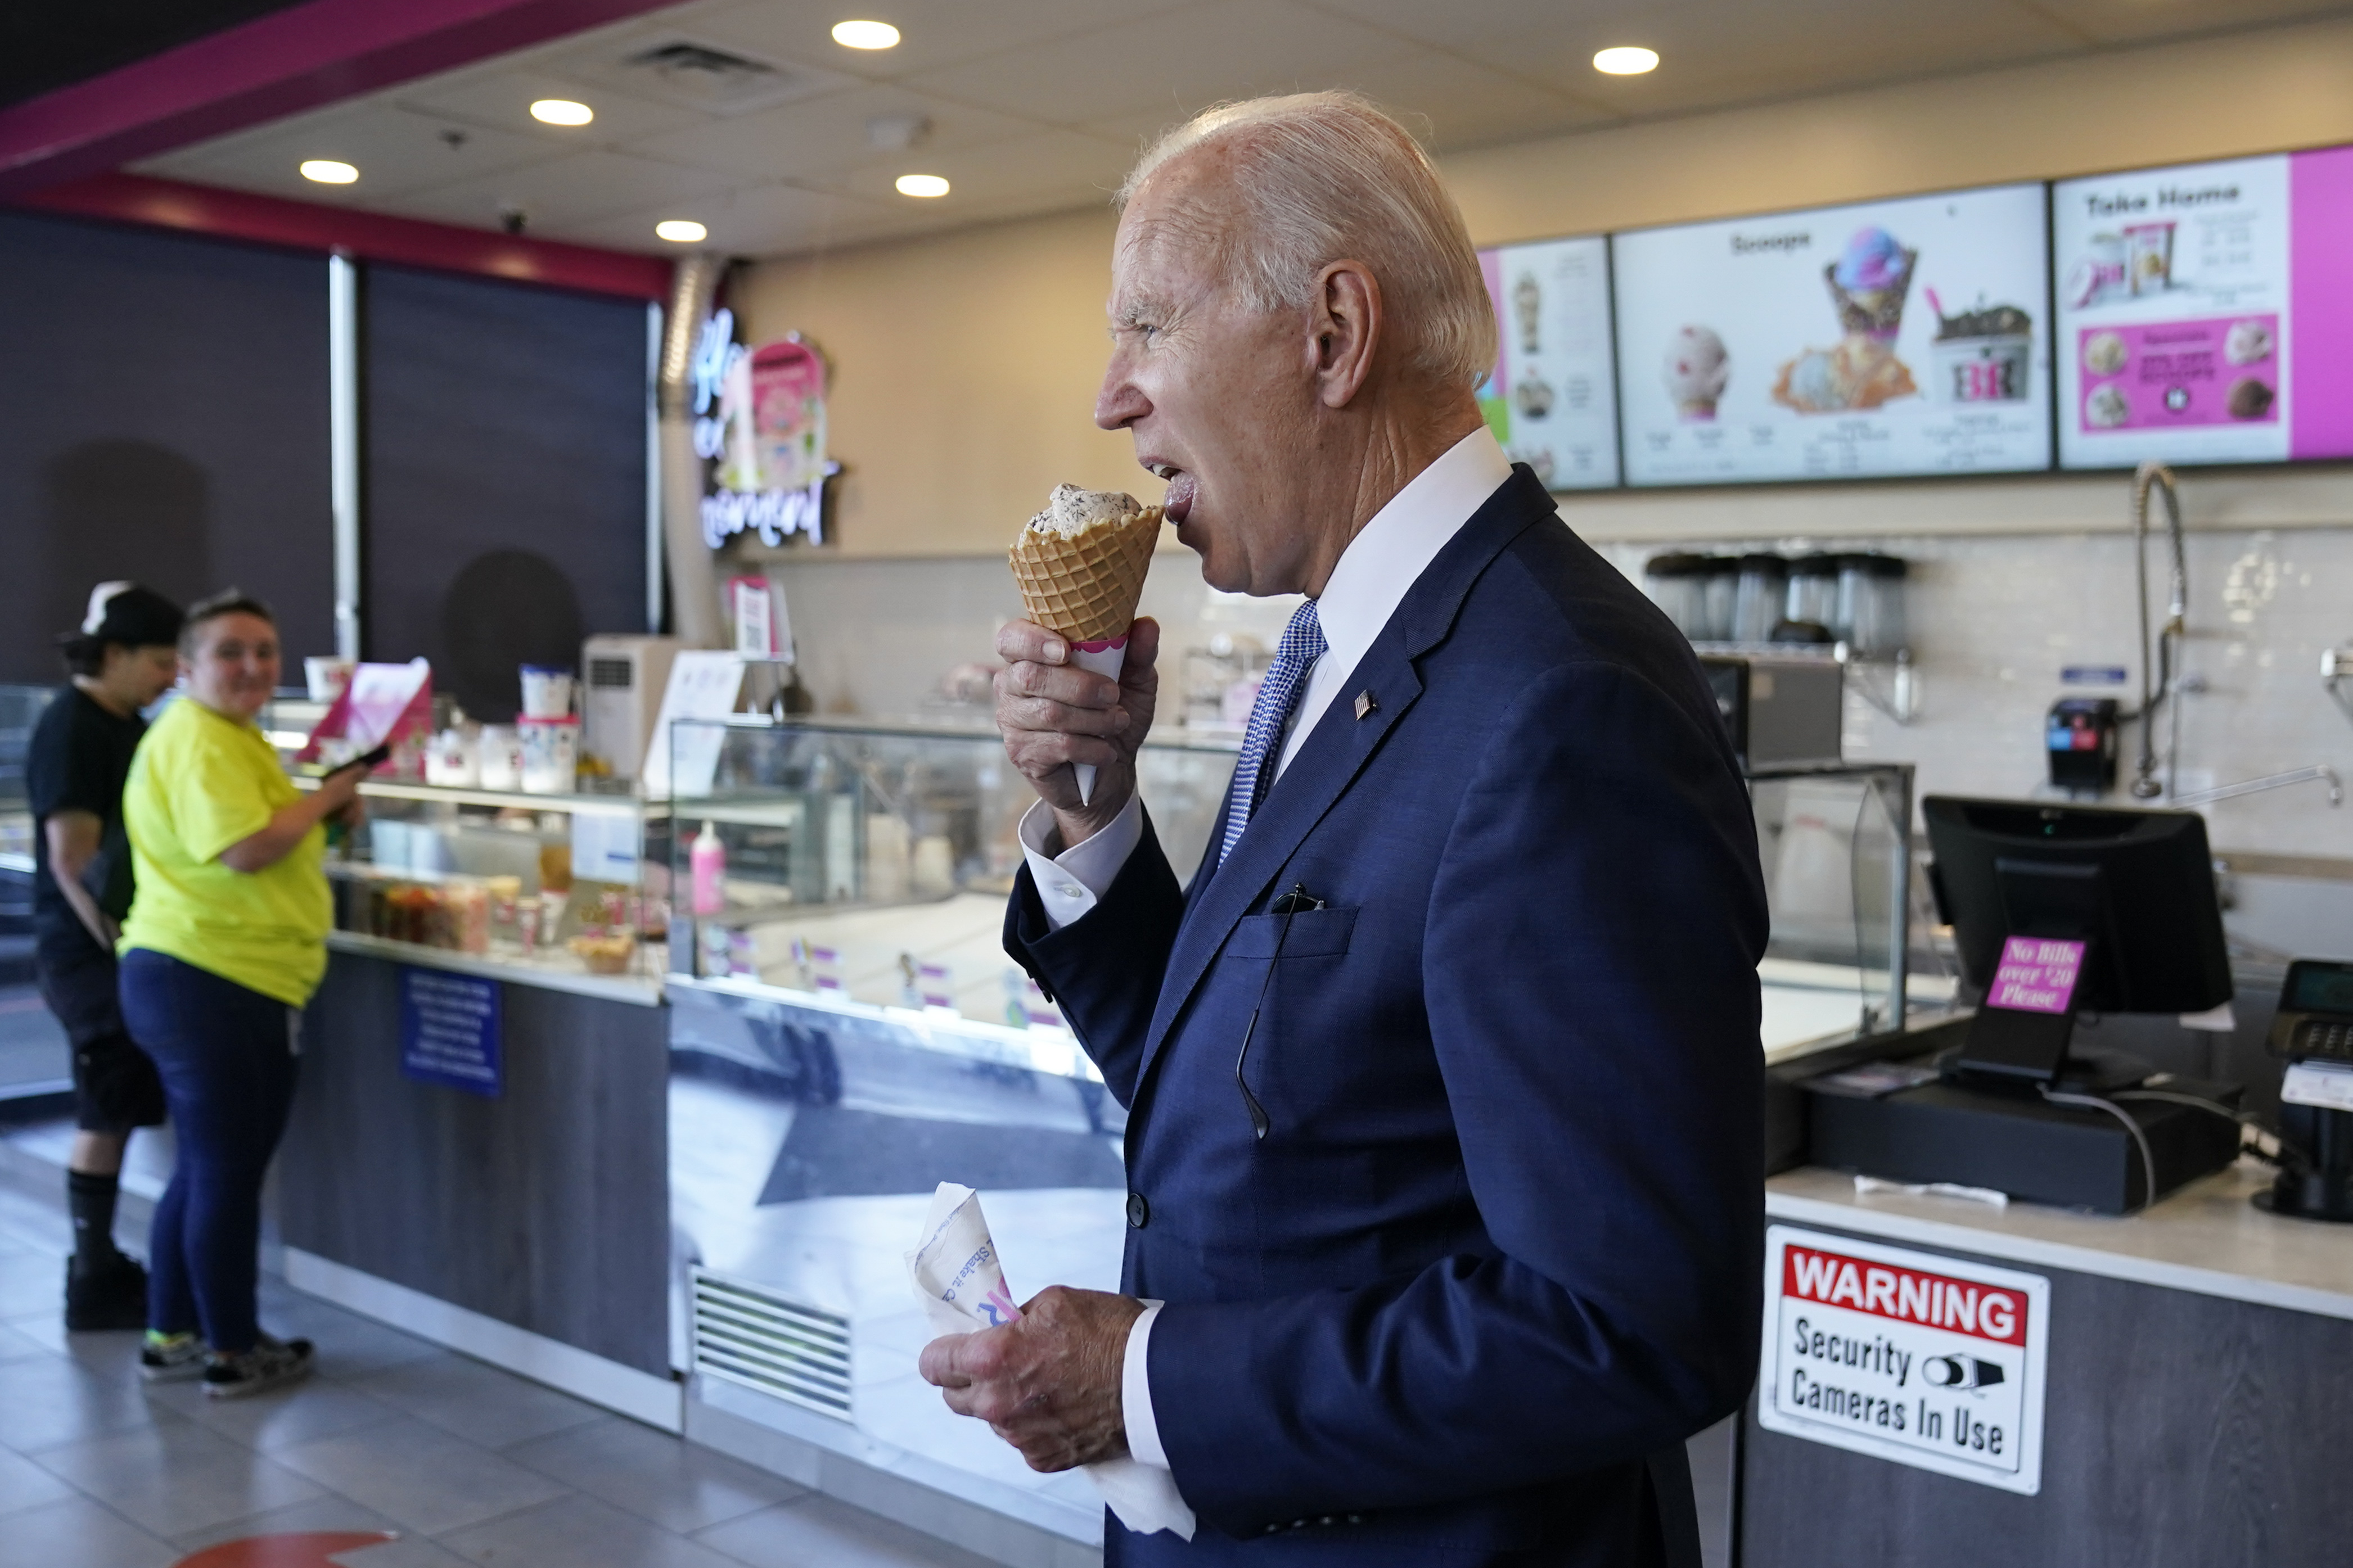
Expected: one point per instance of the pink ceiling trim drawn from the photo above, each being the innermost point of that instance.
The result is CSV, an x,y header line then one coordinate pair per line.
x,y
371,236
279,65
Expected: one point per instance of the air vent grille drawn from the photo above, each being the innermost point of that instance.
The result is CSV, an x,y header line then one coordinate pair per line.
x,y
714,78
750,1335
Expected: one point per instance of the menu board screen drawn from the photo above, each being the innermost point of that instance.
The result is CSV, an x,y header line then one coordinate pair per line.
x,y
1903,337
2206,311
1548,400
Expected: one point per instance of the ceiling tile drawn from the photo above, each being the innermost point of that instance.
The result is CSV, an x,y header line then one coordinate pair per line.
x,y
609,59
393,149
1452,104
1058,167
770,220
933,33
1719,52
1184,59
500,99
825,134
574,188
2136,21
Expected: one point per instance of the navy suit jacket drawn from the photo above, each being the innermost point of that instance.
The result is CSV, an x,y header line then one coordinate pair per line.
x,y
1502,1239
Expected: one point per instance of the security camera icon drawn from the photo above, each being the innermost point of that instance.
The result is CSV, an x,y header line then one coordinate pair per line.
x,y
1960,1372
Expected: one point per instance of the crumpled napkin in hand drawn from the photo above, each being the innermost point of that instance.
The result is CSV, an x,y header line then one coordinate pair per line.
x,y
955,1274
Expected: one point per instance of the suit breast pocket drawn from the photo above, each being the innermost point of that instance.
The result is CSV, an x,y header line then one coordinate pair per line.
x,y
1311,934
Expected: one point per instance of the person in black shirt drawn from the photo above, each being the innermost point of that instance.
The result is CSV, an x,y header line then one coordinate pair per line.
x,y
122,660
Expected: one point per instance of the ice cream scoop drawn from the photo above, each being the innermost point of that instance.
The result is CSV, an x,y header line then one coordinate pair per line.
x,y
1079,566
1697,368
1872,260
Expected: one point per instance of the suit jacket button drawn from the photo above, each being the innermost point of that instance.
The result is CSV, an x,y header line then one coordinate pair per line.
x,y
1138,1212
1327,1519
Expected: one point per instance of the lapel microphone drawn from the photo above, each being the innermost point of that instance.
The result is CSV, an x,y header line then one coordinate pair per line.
x,y
1288,906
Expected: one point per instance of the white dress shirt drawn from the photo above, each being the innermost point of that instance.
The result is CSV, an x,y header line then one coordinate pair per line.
x,y
1371,578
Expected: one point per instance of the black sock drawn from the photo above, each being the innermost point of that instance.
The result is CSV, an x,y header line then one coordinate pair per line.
x,y
90,1200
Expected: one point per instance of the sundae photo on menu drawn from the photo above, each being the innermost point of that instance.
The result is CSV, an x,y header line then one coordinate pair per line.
x,y
1867,284
1880,339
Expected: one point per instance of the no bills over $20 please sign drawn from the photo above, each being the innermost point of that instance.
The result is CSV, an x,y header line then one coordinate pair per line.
x,y
1923,1360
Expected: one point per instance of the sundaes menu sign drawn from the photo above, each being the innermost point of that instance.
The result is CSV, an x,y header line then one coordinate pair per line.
x,y
1896,337
2204,312
759,427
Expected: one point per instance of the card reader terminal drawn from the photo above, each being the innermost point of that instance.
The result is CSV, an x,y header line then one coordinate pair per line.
x,y
2316,1012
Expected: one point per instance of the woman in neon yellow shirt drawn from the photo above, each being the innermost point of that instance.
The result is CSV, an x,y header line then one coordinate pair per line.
x,y
225,942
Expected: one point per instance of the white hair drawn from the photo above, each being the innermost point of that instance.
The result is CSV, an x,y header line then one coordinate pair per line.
x,y
1320,176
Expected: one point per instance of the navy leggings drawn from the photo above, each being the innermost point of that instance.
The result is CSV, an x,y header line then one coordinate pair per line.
x,y
226,1057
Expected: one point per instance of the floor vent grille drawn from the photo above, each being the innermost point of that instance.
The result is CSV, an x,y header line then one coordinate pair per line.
x,y
749,1334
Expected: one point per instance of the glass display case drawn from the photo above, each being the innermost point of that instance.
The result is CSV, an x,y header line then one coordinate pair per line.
x,y
548,887
847,1031
1835,843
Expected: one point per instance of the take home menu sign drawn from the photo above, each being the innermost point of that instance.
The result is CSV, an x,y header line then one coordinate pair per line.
x,y
1923,1359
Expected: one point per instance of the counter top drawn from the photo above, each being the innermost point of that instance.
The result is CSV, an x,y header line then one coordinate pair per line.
x,y
638,990
2206,1237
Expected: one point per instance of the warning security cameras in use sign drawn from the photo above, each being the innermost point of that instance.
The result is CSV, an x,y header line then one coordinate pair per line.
x,y
1927,1361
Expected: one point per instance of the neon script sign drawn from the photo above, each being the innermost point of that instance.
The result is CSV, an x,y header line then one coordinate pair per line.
x,y
760,426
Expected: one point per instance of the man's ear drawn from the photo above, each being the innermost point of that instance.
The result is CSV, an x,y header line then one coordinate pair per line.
x,y
1347,323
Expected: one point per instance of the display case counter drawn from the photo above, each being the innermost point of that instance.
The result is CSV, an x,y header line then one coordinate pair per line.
x,y
478,1152
548,888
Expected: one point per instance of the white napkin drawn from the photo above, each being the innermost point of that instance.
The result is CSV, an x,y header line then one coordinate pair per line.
x,y
955,1274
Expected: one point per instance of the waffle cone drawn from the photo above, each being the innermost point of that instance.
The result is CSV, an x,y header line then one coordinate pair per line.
x,y
1085,586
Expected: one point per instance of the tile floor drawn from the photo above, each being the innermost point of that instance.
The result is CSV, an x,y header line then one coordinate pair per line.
x,y
464,1463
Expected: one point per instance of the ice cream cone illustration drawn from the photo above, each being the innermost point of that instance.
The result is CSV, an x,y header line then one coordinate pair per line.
x,y
1079,566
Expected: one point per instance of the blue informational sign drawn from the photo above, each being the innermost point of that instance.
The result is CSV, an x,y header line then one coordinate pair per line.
x,y
449,1031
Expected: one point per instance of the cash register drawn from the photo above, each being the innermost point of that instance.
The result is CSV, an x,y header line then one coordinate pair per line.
x,y
2057,912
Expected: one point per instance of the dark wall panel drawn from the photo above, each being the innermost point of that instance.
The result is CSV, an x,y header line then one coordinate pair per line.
x,y
163,417
506,477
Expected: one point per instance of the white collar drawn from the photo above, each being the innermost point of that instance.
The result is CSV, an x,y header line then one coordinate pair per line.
x,y
1390,553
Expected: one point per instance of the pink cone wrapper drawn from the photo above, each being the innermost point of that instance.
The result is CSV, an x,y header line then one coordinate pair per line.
x,y
1106,658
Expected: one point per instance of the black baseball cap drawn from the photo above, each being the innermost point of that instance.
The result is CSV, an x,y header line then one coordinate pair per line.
x,y
127,613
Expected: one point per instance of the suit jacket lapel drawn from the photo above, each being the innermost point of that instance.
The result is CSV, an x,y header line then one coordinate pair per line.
x,y
1339,749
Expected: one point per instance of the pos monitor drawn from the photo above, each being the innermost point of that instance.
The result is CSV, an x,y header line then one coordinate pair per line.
x,y
2061,909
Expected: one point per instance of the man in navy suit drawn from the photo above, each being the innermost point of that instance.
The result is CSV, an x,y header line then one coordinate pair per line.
x,y
1442,1074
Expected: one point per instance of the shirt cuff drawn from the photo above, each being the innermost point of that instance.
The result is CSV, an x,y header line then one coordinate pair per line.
x,y
1135,1394
1069,884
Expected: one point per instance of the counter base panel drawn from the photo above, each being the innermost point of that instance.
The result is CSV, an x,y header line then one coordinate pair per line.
x,y
1019,1531
544,1209
641,1396
2178,1427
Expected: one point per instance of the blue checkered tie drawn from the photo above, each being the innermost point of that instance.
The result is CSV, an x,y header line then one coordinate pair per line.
x,y
1302,645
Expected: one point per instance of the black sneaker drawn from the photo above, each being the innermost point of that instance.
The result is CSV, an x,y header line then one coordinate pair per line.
x,y
271,1364
105,1293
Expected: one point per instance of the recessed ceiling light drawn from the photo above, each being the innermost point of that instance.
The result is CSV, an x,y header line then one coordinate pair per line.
x,y
327,172
562,111
865,35
922,185
1627,60
681,230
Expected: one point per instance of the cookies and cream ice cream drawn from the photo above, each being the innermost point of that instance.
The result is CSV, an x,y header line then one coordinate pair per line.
x,y
1080,564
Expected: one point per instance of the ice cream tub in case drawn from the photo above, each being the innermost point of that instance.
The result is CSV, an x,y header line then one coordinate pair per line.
x,y
1984,355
